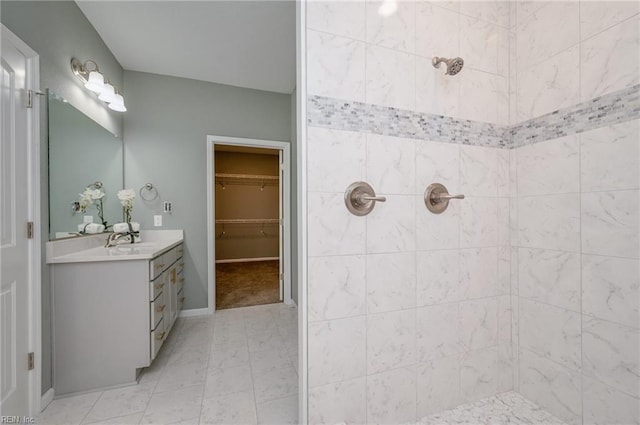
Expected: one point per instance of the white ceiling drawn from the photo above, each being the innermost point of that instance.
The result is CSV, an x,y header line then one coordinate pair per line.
x,y
239,43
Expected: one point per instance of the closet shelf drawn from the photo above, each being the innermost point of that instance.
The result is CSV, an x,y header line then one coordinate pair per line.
x,y
249,221
226,176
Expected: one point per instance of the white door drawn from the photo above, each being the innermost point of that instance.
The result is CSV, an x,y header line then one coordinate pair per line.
x,y
14,255
281,227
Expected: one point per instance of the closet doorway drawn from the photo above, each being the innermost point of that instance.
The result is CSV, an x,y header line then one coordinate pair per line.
x,y
248,222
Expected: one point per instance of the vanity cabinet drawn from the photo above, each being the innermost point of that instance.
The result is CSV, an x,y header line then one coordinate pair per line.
x,y
166,283
111,317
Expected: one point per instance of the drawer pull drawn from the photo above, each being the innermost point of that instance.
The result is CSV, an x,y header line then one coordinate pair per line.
x,y
159,266
161,336
161,308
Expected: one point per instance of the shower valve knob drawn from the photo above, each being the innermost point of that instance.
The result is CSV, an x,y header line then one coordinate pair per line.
x,y
360,198
437,198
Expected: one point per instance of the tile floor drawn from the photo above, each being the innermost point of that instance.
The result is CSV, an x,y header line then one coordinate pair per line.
x,y
504,409
239,368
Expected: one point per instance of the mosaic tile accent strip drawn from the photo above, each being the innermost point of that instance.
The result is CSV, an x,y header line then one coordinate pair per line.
x,y
613,108
358,116
504,409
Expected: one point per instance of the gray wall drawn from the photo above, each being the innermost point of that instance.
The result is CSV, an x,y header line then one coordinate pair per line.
x,y
166,129
57,31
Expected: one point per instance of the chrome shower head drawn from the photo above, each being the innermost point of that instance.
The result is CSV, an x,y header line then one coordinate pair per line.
x,y
453,65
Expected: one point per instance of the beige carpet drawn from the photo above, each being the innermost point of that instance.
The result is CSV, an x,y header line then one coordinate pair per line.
x,y
245,284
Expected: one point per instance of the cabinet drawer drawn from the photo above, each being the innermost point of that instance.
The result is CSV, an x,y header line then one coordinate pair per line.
x,y
179,251
158,336
157,265
158,308
170,257
155,288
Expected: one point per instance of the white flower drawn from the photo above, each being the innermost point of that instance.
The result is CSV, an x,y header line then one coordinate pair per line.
x,y
126,197
126,194
84,200
97,194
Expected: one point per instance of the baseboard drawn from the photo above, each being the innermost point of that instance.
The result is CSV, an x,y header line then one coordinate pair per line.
x,y
247,260
195,312
47,398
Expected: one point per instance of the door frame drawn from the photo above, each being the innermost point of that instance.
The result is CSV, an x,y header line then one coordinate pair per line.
x,y
285,147
33,214
302,211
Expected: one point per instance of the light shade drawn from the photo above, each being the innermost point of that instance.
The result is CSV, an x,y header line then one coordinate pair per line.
x,y
108,93
95,82
118,104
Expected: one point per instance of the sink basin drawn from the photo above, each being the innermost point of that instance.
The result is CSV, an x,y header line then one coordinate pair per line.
x,y
140,245
134,248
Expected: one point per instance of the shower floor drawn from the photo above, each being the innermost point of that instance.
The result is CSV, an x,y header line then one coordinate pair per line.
x,y
508,408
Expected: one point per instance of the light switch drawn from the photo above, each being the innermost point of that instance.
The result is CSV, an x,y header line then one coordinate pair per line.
x,y
157,220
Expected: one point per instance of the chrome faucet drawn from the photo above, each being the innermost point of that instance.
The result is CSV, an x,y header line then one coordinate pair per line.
x,y
111,240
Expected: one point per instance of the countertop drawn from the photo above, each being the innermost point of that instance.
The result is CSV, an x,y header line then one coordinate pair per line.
x,y
150,248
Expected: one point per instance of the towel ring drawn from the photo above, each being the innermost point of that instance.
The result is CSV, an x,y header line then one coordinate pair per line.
x,y
148,187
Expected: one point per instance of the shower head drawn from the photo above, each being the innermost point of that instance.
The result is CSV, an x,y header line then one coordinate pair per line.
x,y
453,65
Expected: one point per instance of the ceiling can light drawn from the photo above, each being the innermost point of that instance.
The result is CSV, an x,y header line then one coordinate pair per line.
x,y
89,73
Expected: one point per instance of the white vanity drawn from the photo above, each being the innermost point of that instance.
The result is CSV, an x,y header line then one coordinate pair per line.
x,y
112,307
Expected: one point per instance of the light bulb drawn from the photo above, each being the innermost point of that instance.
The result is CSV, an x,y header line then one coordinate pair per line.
x,y
95,82
108,94
118,104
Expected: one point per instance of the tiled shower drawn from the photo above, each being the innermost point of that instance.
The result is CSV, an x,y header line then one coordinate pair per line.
x,y
531,283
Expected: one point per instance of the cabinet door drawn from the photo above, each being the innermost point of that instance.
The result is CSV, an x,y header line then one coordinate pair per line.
x,y
159,308
158,335
173,291
159,329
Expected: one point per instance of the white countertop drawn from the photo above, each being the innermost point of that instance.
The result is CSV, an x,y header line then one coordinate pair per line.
x,y
78,251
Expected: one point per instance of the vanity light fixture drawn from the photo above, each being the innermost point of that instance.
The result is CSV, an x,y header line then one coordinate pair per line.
x,y
89,73
108,93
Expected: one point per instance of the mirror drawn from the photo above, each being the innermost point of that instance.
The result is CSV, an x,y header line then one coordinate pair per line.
x,y
82,154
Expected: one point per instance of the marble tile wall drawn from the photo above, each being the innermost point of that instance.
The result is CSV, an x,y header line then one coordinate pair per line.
x,y
575,211
531,283
569,52
406,307
355,54
577,274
